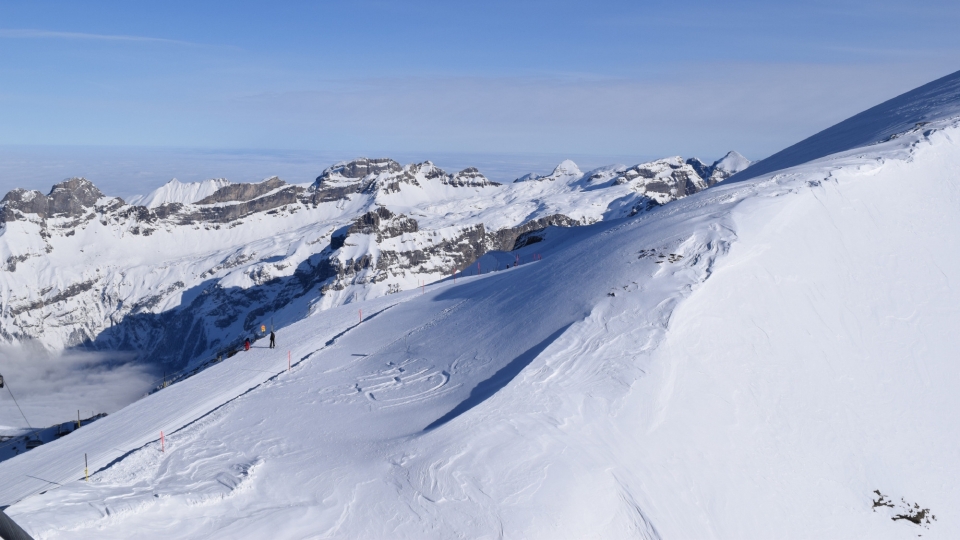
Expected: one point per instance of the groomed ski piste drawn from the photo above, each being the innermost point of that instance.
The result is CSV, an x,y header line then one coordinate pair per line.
x,y
774,357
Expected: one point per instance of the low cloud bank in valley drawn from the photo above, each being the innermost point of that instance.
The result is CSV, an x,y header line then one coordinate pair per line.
x,y
51,386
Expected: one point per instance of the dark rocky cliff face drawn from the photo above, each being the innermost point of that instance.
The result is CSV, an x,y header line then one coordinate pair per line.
x,y
506,239
72,198
242,192
233,212
360,168
383,223
469,177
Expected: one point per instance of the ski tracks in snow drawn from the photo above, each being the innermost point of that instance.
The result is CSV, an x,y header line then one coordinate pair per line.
x,y
575,384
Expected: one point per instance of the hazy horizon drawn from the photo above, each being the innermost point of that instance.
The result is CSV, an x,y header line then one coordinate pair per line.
x,y
125,171
422,78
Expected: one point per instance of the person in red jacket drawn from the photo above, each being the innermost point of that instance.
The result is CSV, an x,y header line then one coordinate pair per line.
x,y
246,344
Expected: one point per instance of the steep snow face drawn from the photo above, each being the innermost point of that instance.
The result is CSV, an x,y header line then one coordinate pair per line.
x,y
912,111
198,267
731,164
175,191
768,358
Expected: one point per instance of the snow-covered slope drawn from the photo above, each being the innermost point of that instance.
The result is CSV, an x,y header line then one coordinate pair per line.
x,y
175,191
772,358
911,111
195,268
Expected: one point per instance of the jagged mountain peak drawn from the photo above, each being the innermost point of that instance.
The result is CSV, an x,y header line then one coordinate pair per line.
x,y
733,162
70,198
566,170
358,168
79,186
469,177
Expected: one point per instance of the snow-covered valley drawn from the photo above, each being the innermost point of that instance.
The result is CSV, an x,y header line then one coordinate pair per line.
x,y
772,357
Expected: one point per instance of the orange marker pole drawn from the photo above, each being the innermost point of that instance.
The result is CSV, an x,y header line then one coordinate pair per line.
x,y
161,442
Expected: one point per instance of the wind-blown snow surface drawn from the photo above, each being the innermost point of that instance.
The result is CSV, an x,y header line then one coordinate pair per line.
x,y
749,362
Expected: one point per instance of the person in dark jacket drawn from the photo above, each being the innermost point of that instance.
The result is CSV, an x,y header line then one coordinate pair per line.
x,y
273,339
246,344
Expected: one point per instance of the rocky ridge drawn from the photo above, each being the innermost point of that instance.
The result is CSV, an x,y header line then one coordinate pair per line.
x,y
184,280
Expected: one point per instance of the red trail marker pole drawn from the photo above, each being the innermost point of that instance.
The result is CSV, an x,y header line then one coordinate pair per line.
x,y
161,442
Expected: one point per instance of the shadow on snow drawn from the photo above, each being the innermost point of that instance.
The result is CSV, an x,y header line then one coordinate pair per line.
x,y
501,378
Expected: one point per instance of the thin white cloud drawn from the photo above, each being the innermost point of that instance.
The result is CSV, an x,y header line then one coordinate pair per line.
x,y
27,33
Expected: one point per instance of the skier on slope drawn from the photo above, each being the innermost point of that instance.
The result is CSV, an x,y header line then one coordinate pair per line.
x,y
246,344
273,340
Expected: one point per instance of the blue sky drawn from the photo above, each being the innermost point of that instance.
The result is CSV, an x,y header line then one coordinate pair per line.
x,y
599,78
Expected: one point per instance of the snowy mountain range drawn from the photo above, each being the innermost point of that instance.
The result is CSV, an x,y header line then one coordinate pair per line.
x,y
187,272
772,357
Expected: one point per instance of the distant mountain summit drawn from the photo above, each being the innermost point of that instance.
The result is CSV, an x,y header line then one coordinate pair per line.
x,y
720,170
566,170
175,191
213,259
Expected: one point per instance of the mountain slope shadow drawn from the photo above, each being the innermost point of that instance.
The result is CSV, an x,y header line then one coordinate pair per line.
x,y
500,379
213,319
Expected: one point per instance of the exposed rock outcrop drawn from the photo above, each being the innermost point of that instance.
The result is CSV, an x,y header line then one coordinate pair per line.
x,y
73,198
242,192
